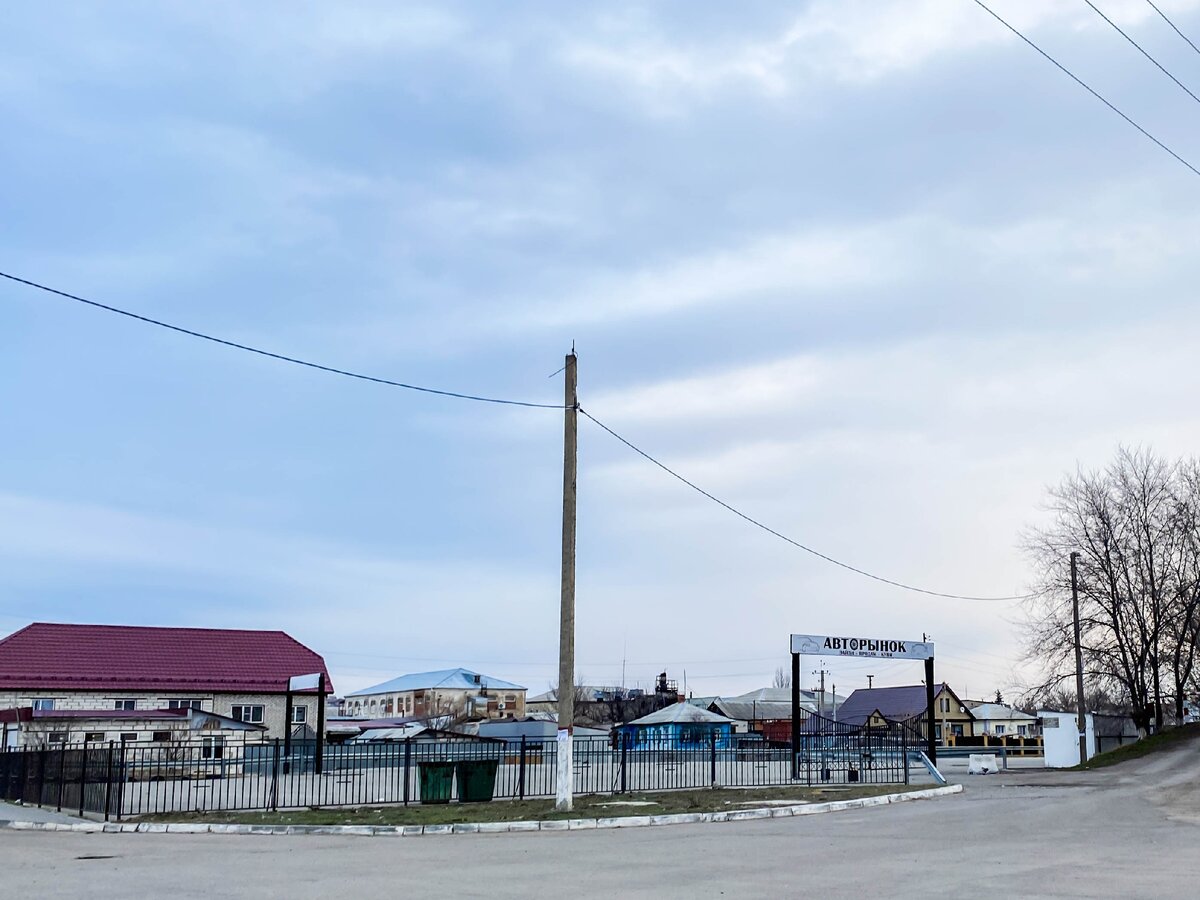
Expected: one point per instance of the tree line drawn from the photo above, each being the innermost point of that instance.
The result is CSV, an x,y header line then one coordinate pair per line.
x,y
1136,527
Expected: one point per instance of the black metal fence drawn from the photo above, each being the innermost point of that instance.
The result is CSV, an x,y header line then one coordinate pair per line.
x,y
834,752
122,780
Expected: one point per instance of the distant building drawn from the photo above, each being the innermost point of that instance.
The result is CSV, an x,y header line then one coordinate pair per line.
x,y
766,711
906,704
458,693
1003,721
679,726
232,673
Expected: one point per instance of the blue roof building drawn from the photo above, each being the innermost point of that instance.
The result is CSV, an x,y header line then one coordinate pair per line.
x,y
680,726
456,693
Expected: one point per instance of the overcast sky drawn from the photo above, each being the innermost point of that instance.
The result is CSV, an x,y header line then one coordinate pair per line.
x,y
872,271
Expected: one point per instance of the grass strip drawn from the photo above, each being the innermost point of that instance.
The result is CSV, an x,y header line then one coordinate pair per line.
x,y
1162,741
586,807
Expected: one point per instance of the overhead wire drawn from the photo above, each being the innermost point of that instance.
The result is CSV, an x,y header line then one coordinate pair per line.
x,y
276,356
1173,25
1141,49
495,400
783,537
1086,87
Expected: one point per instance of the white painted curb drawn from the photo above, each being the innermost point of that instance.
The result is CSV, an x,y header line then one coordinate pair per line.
x,y
737,815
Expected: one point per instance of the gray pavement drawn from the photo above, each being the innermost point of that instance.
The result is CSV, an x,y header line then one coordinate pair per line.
x,y
1131,831
12,812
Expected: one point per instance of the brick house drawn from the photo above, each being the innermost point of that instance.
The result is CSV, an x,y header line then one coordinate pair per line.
x,y
239,674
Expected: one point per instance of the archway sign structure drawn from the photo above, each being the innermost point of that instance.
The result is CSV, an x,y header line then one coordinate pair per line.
x,y
875,648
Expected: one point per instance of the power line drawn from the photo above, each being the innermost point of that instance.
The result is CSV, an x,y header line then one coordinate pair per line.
x,y
1141,50
1172,24
276,356
1086,87
783,537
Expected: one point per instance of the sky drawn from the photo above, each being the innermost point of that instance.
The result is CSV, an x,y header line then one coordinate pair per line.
x,y
872,271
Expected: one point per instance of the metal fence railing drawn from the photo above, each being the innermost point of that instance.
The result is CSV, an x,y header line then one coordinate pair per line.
x,y
121,780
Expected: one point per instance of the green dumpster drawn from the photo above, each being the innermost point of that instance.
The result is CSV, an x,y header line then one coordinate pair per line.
x,y
476,779
437,778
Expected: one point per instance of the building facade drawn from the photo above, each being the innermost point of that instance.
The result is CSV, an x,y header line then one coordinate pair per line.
x,y
452,693
239,674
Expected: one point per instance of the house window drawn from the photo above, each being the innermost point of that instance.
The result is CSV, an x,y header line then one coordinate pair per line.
x,y
251,714
999,729
124,704
43,704
127,736
299,715
187,703
1022,730
510,698
945,704
162,736
57,737
94,736
213,748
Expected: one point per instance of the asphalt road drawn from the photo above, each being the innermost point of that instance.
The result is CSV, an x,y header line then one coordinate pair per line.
x,y
1131,831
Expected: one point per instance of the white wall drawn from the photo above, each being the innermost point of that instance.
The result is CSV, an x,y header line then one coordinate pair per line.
x,y
1061,744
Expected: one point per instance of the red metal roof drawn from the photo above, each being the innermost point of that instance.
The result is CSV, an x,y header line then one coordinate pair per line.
x,y
46,656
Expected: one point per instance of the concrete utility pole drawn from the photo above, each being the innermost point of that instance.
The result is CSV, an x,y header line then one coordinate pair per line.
x,y
565,786
1081,716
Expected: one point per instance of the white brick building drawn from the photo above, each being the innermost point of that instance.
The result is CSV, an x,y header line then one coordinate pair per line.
x,y
236,673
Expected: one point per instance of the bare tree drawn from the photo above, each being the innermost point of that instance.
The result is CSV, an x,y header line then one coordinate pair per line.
x,y
783,678
1135,527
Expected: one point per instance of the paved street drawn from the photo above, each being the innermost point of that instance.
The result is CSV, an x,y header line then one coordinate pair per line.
x,y
1130,832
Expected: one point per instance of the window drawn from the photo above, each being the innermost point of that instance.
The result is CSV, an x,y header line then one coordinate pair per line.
x,y
299,715
57,737
94,736
1022,730
999,729
124,704
127,736
213,747
162,736
510,698
251,714
945,704
184,704
43,704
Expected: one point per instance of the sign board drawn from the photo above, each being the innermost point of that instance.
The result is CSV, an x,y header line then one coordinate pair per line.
x,y
879,648
304,682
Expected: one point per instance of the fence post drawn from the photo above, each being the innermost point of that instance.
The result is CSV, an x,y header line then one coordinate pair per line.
x,y
62,776
274,776
712,759
121,783
82,776
624,759
108,781
407,762
521,775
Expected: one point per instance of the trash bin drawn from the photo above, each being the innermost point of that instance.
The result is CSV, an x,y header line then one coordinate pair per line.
x,y
476,780
437,779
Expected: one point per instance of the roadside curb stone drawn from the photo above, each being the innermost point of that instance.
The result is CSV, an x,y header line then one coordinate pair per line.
x,y
738,815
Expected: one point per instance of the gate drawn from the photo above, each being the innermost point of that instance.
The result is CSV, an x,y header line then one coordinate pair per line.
x,y
830,752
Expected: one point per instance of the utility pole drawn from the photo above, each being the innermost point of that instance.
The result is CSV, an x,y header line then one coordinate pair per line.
x,y
1081,716
821,702
565,787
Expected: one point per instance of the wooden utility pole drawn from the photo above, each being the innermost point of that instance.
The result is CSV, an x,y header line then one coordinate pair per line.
x,y
1081,714
565,787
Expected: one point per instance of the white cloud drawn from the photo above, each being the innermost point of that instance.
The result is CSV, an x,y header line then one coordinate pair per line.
x,y
830,41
